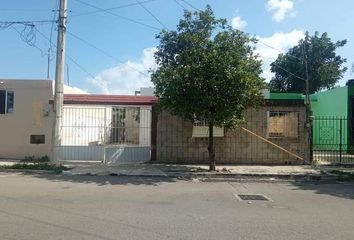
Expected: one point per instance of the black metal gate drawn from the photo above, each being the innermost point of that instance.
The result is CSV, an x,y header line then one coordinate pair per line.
x,y
332,140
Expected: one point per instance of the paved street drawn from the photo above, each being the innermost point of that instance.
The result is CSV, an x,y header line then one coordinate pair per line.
x,y
88,207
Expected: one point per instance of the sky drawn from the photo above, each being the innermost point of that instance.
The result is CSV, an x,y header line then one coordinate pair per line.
x,y
111,52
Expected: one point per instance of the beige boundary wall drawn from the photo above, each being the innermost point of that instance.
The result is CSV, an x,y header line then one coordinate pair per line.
x,y
175,144
32,114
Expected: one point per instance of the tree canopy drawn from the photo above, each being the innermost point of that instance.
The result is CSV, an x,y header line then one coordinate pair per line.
x,y
207,71
324,65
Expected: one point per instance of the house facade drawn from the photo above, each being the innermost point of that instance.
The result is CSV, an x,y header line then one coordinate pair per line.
x,y
25,118
106,128
273,134
119,129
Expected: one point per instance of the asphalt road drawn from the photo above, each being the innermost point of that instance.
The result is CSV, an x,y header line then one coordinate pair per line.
x,y
73,207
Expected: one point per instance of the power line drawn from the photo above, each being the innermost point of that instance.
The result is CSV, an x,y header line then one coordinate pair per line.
x,y
179,4
68,56
80,66
104,52
24,10
50,51
267,45
56,9
25,22
285,70
189,4
112,8
119,16
32,44
148,11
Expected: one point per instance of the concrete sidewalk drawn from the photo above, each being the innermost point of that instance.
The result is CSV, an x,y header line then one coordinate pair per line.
x,y
171,170
292,172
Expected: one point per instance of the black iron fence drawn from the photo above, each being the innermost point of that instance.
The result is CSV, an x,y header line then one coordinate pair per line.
x,y
332,140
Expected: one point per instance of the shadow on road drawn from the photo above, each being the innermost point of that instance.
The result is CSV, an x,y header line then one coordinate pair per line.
x,y
342,190
109,180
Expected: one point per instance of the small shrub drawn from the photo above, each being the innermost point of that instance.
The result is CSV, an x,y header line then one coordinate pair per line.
x,y
33,159
36,166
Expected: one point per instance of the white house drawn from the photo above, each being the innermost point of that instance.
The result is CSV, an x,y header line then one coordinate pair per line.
x,y
25,118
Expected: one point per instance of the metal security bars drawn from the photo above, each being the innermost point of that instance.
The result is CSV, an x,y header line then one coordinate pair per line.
x,y
332,140
109,134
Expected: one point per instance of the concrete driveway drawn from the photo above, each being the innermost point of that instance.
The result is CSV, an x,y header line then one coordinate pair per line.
x,y
103,207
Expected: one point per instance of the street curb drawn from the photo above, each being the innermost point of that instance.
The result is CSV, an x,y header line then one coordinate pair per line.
x,y
26,171
221,176
202,176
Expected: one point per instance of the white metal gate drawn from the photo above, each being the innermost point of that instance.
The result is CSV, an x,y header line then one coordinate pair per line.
x,y
110,134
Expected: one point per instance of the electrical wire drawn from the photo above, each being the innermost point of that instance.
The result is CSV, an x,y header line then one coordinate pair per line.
x,y
52,53
153,15
179,4
56,9
23,10
267,45
189,4
27,34
25,22
68,56
32,44
287,71
112,8
119,16
104,52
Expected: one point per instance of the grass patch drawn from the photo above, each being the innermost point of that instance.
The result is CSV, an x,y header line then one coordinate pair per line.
x,y
36,166
343,176
33,159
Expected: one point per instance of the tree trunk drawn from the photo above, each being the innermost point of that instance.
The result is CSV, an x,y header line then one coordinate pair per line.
x,y
211,146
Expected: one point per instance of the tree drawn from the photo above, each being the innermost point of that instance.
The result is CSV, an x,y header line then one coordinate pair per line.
x,y
324,66
207,71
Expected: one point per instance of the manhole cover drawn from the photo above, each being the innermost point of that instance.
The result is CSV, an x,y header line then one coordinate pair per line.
x,y
252,197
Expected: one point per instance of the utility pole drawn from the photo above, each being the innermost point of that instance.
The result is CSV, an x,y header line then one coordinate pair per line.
x,y
307,100
59,83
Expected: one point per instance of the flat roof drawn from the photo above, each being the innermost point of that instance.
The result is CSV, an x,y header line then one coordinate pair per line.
x,y
94,99
286,96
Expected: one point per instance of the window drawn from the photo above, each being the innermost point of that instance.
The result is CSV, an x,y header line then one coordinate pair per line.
x,y
37,139
283,124
6,102
201,129
125,125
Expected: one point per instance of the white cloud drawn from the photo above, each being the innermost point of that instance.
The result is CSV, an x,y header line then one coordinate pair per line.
x,y
280,9
73,90
70,89
270,47
126,77
238,23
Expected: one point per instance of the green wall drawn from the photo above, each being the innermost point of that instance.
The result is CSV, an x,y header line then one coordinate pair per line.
x,y
331,103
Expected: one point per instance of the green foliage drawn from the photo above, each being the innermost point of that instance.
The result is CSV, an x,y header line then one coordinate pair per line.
x,y
324,66
207,70
36,166
34,159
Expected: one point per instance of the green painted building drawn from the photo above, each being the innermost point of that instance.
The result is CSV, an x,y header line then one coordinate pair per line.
x,y
332,112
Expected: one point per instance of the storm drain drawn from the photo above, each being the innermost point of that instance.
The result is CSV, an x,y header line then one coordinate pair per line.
x,y
252,197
